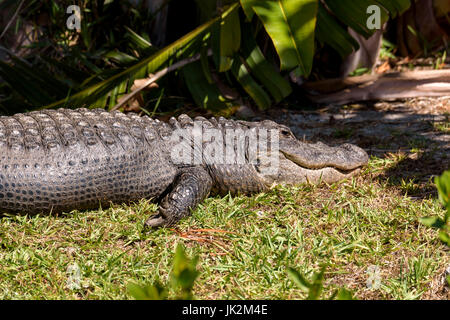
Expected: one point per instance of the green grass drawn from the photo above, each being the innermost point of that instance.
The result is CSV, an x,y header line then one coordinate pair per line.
x,y
245,245
443,126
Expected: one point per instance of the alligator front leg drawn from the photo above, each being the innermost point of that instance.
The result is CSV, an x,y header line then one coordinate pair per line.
x,y
191,187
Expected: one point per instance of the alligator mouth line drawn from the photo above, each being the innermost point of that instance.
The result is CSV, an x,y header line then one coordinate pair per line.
x,y
301,164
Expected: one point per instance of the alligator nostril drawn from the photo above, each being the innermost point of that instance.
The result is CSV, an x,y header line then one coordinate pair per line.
x,y
349,147
356,153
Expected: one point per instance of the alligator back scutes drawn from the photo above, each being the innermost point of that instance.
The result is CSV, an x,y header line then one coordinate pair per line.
x,y
53,130
60,160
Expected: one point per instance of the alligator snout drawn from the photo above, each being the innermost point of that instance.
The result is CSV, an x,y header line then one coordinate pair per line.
x,y
346,157
315,162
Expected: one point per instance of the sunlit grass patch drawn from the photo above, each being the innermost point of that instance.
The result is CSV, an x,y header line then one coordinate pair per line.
x,y
245,245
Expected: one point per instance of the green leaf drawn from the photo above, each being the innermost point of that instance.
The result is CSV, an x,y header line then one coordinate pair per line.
x,y
434,222
247,6
86,34
255,91
73,75
138,292
290,24
151,292
25,87
344,294
445,237
145,66
354,14
101,102
329,31
205,65
41,78
263,71
206,8
120,57
316,287
443,186
230,38
204,93
395,7
298,279
184,270
113,98
137,40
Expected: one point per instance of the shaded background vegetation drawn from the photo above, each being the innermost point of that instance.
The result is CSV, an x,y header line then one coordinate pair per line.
x,y
247,51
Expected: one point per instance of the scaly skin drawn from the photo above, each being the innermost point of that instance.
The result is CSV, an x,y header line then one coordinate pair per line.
x,y
61,160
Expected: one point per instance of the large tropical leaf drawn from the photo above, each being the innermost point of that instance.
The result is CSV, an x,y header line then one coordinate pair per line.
x,y
205,94
354,14
290,24
230,38
263,71
101,72
395,7
140,69
247,6
226,39
243,76
331,32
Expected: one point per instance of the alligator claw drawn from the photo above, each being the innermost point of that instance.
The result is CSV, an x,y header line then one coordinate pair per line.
x,y
156,221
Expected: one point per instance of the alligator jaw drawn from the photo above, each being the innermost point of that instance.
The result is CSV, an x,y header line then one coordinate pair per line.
x,y
293,173
318,162
301,162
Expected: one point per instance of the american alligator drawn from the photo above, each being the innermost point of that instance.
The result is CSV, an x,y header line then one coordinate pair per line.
x,y
61,160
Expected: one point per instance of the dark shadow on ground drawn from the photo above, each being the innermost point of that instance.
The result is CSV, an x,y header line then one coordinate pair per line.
x,y
415,175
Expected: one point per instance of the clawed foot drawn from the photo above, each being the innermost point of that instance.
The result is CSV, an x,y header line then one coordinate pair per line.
x,y
191,187
156,221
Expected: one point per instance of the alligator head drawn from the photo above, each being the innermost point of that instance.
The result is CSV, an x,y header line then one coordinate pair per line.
x,y
300,162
